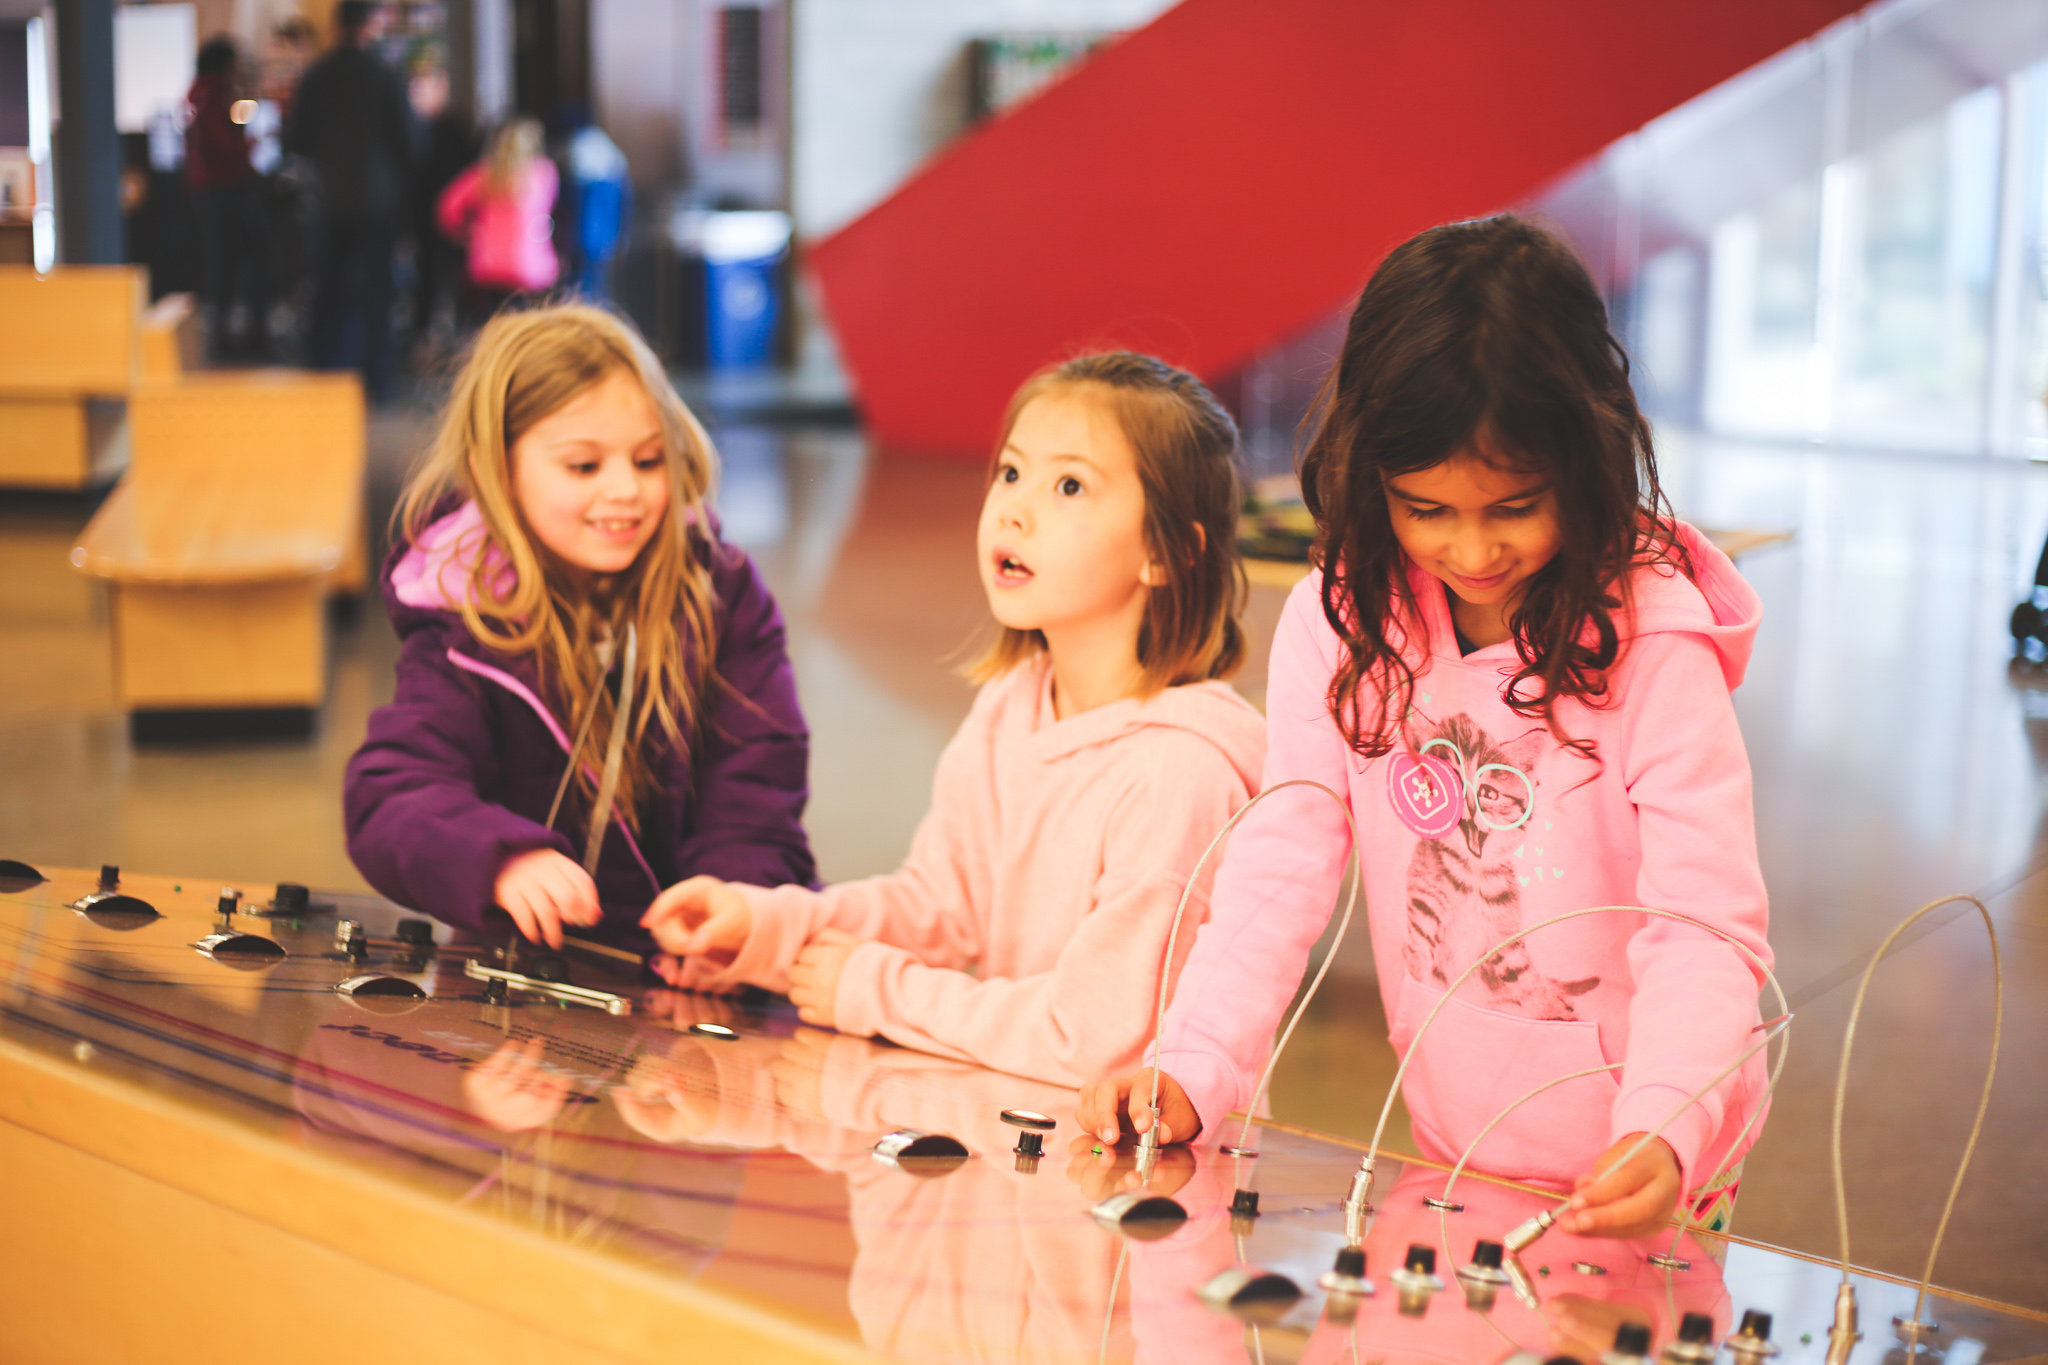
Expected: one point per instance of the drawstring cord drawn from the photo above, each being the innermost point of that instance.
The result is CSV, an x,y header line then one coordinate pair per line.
x,y
615,748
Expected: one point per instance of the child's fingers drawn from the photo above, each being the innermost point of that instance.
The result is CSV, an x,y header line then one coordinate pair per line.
x,y
574,895
723,930
522,915
1101,1109
1633,1214
547,920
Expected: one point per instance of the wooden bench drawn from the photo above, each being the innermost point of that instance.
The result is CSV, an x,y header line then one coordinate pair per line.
x,y
242,509
70,350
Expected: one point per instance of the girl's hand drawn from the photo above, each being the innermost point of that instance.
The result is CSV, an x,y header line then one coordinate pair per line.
x,y
1105,1111
814,976
542,891
700,917
1115,1170
1630,1200
512,1089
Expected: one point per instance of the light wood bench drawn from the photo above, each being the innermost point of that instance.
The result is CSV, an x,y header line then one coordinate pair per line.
x,y
241,511
70,350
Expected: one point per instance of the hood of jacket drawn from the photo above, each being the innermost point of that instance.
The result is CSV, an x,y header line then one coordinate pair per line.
x,y
1716,603
1212,711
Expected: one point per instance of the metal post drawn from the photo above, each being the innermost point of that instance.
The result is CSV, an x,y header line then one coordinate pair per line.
x,y
88,149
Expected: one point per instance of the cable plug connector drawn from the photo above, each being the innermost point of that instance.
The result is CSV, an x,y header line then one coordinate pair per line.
x,y
1526,1236
1843,1336
1358,1203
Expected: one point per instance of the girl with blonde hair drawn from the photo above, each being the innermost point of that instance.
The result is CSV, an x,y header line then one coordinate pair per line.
x,y
594,700
502,209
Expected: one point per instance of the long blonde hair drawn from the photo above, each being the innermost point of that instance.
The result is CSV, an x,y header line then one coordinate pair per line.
x,y
524,366
513,148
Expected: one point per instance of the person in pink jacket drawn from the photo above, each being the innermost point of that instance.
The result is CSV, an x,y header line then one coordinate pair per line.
x,y
501,208
1027,931
1515,665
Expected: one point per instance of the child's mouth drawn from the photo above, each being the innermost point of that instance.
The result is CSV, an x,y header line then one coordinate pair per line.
x,y
615,528
1010,570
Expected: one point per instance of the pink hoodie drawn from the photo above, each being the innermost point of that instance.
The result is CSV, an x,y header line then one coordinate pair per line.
x,y
1480,824
1051,861
510,237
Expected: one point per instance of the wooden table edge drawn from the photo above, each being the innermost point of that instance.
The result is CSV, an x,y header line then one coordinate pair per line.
x,y
538,1281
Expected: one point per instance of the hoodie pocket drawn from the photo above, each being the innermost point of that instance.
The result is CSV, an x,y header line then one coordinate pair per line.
x,y
1474,1062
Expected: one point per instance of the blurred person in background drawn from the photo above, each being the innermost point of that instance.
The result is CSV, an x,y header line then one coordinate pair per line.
x,y
228,204
597,203
448,144
501,208
352,121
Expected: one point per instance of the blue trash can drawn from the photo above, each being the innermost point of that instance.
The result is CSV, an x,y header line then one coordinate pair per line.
x,y
742,252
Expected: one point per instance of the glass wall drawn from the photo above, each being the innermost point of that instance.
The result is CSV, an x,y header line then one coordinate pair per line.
x,y
1844,244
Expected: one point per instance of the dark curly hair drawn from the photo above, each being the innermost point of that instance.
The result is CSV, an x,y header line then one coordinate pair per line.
x,y
1485,337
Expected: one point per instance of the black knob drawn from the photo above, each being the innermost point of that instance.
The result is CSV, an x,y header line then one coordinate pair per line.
x,y
110,875
1755,1323
1696,1327
229,899
495,992
1350,1261
291,898
1244,1204
547,967
1030,1144
1486,1255
1632,1339
417,932
1421,1259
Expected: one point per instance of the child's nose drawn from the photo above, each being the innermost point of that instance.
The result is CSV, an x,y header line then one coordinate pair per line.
x,y
1472,553
619,484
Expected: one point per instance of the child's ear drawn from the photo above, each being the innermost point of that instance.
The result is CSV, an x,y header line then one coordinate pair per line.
x,y
1152,576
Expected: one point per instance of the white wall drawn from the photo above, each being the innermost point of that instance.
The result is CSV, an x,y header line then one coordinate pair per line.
x,y
878,85
641,64
653,84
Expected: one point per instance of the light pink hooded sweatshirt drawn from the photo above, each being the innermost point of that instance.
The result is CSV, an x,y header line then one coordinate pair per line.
x,y
1052,860
1480,823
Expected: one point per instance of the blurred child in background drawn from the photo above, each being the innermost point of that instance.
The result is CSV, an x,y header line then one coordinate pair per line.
x,y
502,209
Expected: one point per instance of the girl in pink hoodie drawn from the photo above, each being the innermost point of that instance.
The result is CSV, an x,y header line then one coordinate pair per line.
x,y
1027,929
500,209
1516,664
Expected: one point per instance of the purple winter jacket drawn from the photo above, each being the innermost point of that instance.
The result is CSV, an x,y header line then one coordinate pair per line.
x,y
456,774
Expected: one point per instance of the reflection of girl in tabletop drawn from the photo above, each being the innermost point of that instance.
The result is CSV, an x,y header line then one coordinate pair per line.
x,y
556,538
1102,754
1516,664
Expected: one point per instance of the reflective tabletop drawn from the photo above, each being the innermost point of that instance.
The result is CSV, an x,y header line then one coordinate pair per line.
x,y
718,1148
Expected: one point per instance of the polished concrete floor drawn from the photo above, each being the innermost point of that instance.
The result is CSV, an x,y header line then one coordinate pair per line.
x,y
1897,758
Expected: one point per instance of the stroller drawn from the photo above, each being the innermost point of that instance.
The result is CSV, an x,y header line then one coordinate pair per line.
x,y
2030,618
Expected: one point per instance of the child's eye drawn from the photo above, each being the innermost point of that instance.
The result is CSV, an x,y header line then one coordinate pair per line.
x,y
1424,513
1006,473
1528,509
1069,486
584,467
651,462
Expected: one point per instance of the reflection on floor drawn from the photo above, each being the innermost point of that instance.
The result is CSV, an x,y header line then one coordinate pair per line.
x,y
1896,759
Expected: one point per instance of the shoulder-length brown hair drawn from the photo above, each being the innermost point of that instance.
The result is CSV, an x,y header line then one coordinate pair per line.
x,y
524,366
1186,448
1488,337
